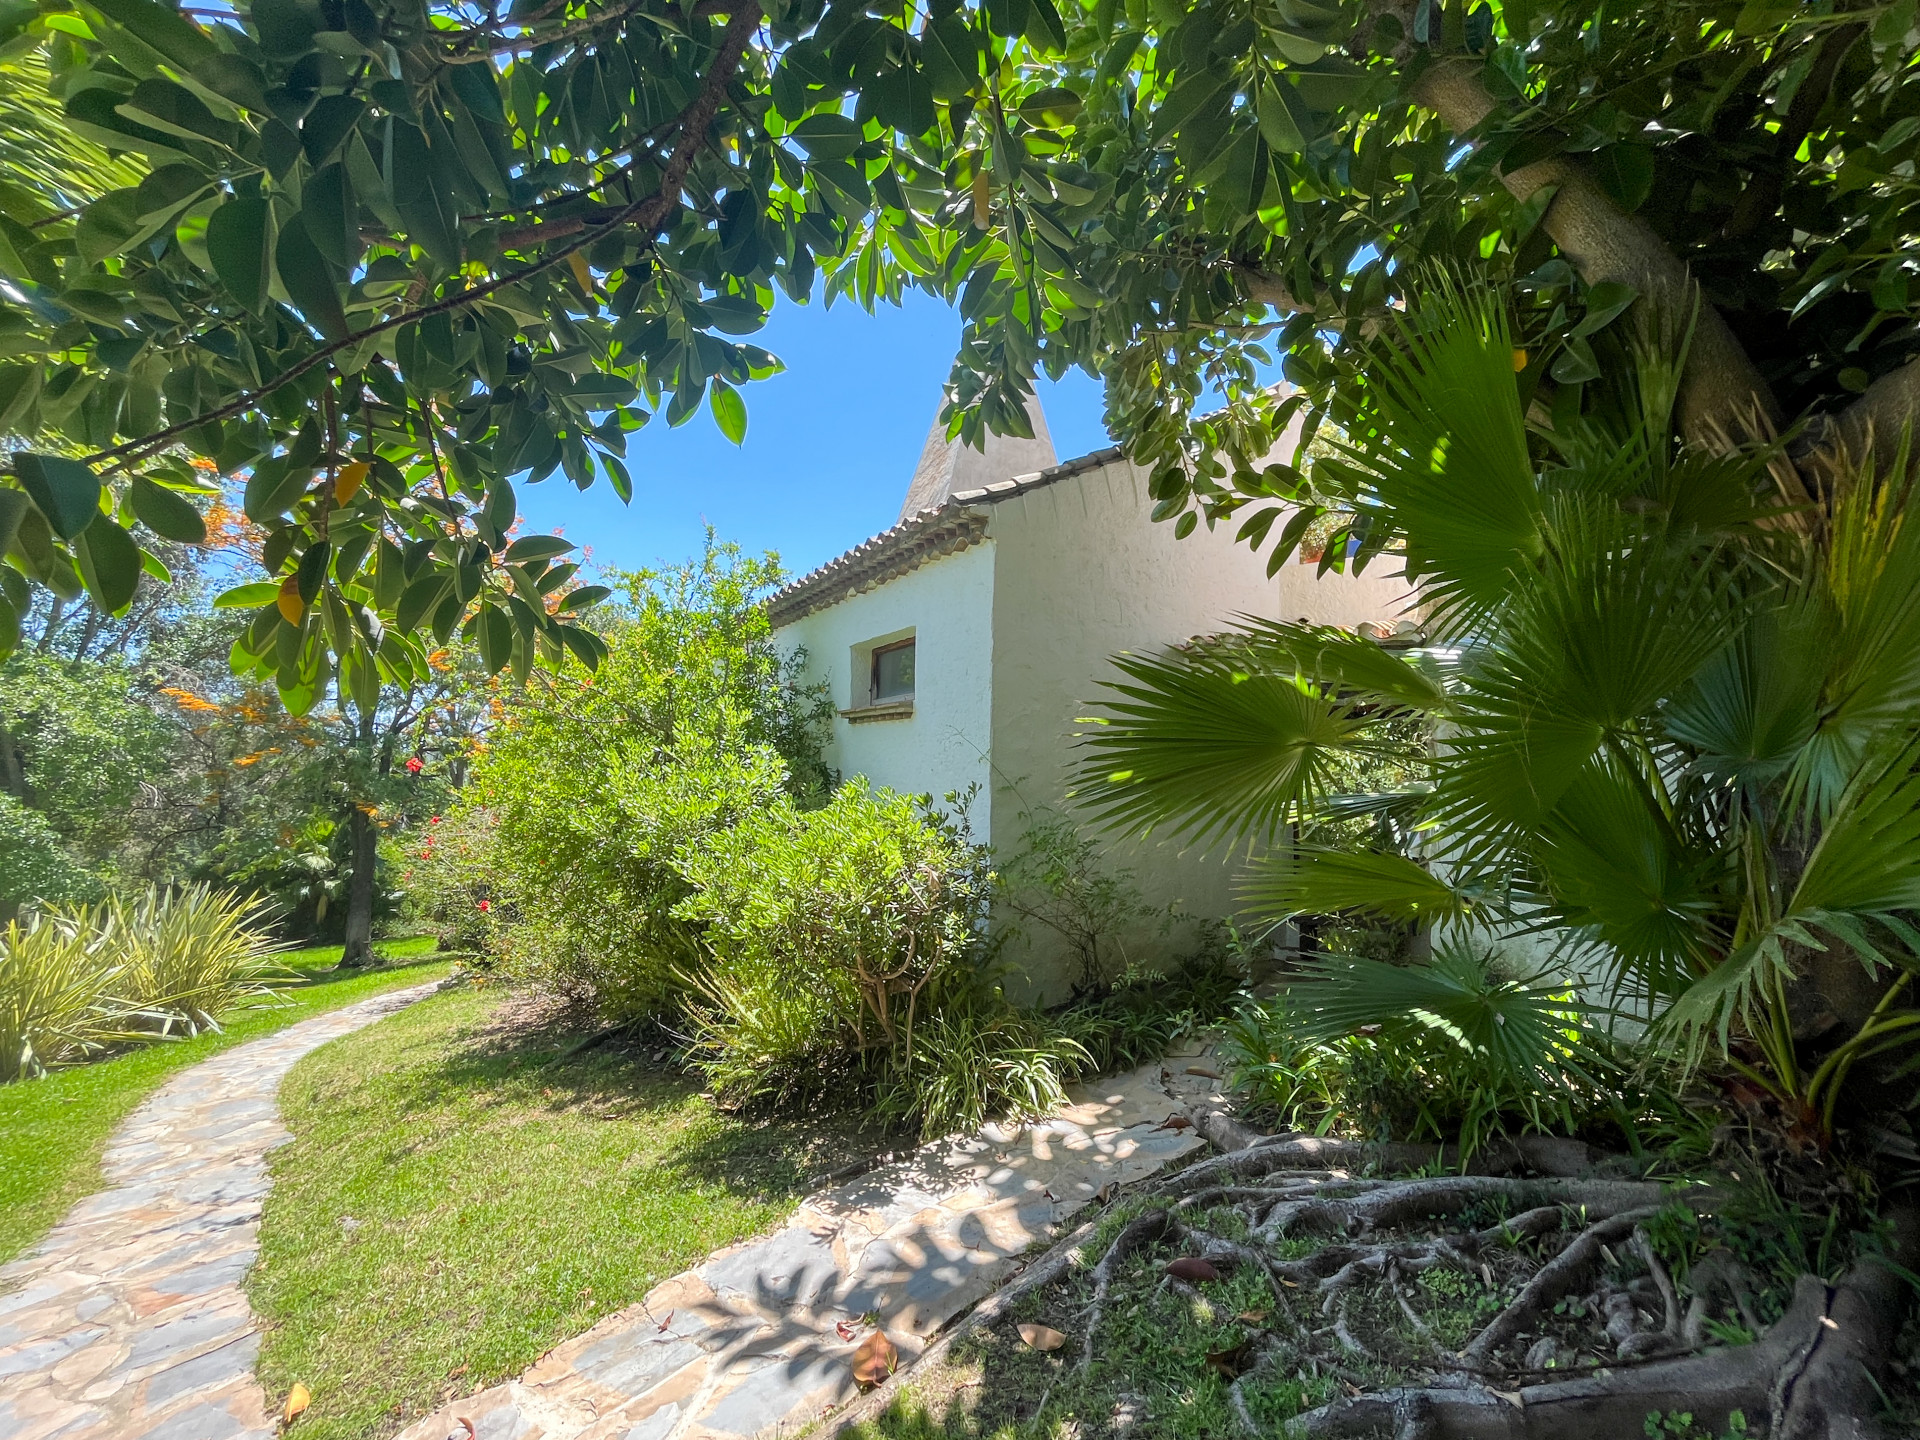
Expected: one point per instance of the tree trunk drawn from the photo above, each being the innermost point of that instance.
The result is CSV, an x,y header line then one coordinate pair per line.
x,y
359,935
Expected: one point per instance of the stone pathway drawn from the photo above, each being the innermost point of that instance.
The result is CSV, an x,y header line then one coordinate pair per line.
x,y
128,1322
759,1338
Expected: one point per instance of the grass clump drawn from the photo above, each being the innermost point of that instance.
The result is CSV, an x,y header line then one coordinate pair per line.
x,y
463,1193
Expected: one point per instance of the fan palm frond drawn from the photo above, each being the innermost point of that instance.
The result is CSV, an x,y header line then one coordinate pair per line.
x,y
1440,457
1867,860
1615,866
1751,709
1518,1026
1348,663
1208,743
1317,880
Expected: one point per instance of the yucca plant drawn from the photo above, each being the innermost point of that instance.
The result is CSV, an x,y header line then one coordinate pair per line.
x,y
192,953
60,999
80,980
1674,699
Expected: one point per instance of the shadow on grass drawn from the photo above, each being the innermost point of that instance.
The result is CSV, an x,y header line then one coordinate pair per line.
x,y
558,1058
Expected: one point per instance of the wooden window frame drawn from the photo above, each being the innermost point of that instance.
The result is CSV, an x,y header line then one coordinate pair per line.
x,y
874,697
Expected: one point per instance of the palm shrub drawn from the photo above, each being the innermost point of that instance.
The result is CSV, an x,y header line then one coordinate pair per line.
x,y
1675,701
1457,1049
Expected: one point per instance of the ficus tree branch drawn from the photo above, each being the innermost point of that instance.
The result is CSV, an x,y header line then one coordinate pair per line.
x,y
649,212
1720,386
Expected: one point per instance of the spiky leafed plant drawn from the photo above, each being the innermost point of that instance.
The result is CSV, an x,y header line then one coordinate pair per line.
x,y
1676,710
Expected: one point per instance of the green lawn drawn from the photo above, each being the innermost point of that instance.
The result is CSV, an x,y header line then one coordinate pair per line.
x,y
461,1196
53,1130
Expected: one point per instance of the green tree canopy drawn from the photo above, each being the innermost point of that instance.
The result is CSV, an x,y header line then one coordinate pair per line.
x,y
387,257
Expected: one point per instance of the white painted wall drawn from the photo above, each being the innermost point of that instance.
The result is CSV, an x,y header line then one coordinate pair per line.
x,y
1081,573
1013,636
947,604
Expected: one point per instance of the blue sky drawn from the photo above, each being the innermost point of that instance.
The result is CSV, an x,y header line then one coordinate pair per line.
x,y
831,443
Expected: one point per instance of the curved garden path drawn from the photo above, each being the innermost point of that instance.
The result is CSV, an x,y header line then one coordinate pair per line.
x,y
128,1322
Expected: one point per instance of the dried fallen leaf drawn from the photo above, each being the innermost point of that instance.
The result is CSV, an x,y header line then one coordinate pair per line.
x,y
874,1359
1231,1362
1106,1192
472,1434
662,1326
1042,1337
1187,1267
1175,1122
298,1398
1251,1317
844,1329
1203,1072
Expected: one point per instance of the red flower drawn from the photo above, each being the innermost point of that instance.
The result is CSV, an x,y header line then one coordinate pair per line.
x,y
413,765
485,906
434,821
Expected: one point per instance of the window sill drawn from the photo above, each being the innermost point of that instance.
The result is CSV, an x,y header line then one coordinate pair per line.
x,y
867,714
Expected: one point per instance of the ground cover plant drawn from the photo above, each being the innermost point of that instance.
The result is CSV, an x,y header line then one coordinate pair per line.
x,y
467,1186
52,1130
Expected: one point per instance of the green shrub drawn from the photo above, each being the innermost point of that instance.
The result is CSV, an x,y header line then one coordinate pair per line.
x,y
844,922
1290,1078
81,980
35,865
594,784
1056,881
1140,1018
977,1056
447,873
849,959
1450,1050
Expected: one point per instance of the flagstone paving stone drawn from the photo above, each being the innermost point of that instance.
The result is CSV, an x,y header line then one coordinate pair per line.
x,y
749,1342
128,1322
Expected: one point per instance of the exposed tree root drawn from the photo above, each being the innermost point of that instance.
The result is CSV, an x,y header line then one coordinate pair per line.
x,y
1142,1230
1571,1254
1559,1277
1811,1377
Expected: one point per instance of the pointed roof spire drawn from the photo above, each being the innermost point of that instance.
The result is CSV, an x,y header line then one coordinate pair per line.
x,y
947,465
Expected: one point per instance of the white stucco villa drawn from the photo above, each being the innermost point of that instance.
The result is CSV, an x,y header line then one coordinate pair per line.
x,y
960,645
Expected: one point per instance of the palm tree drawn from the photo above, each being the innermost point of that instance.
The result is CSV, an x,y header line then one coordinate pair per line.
x,y
1674,701
49,168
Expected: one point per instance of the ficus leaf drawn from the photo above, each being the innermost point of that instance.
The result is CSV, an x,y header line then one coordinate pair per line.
x,y
169,515
65,491
109,563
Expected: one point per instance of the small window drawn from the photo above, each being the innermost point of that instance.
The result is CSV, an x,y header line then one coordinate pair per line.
x,y
893,672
